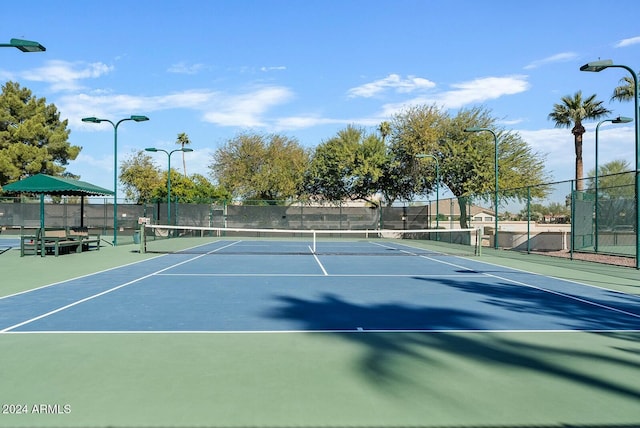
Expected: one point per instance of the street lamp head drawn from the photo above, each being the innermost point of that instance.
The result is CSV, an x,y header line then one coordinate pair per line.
x,y
597,66
186,149
27,45
139,118
151,149
475,129
91,119
622,119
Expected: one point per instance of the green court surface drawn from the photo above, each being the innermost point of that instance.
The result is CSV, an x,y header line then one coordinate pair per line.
x,y
317,379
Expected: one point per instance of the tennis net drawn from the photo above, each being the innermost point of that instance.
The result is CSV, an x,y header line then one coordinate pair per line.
x,y
217,240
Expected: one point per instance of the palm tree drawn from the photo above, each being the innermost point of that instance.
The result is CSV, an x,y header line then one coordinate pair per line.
x,y
183,140
572,111
626,91
385,129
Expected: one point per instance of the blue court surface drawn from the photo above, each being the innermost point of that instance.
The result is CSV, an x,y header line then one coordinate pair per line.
x,y
8,243
256,291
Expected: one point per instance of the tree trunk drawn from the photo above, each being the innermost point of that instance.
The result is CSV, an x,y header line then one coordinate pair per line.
x,y
578,131
462,204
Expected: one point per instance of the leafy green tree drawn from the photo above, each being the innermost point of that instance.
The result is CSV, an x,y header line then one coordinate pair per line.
x,y
145,182
572,111
346,167
385,129
466,160
415,131
140,177
539,211
33,139
189,190
204,191
260,167
183,140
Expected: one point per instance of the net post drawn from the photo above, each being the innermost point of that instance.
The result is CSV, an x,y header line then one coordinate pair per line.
x,y
313,249
142,222
143,239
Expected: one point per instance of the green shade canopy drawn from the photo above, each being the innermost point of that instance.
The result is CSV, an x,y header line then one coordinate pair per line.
x,y
43,184
58,186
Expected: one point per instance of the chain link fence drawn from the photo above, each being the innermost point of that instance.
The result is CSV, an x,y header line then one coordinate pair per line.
x,y
554,218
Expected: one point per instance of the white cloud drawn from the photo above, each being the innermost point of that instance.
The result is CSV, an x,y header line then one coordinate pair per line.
x,y
64,75
247,109
466,93
483,89
108,105
184,68
393,82
615,143
561,57
276,68
627,42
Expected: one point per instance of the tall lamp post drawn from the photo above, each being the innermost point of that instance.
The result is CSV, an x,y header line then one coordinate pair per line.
x,y
598,66
183,149
619,119
24,45
422,156
115,164
495,166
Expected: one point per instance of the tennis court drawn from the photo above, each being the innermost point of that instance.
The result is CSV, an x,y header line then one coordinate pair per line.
x,y
237,331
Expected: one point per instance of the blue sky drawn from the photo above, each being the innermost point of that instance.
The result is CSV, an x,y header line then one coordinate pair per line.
x,y
309,68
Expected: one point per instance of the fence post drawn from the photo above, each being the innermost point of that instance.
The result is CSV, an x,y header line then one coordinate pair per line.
x,y
573,221
528,219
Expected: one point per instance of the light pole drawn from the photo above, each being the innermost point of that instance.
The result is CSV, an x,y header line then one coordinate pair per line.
x,y
619,119
422,156
598,66
24,45
115,164
153,149
495,166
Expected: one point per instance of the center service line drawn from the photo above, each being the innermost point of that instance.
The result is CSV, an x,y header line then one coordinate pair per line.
x,y
324,271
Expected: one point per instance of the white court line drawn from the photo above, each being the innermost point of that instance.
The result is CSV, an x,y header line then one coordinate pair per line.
x,y
346,275
86,299
546,290
315,256
159,272
79,277
342,331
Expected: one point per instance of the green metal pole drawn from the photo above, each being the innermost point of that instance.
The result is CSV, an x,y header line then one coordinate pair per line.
x,y
169,188
42,225
595,243
573,220
598,66
495,138
437,194
528,219
115,164
115,182
637,172
637,189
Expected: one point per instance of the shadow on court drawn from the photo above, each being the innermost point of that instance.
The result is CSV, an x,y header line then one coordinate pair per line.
x,y
565,309
558,371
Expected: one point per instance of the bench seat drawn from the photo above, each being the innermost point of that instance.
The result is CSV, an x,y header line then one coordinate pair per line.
x,y
58,241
